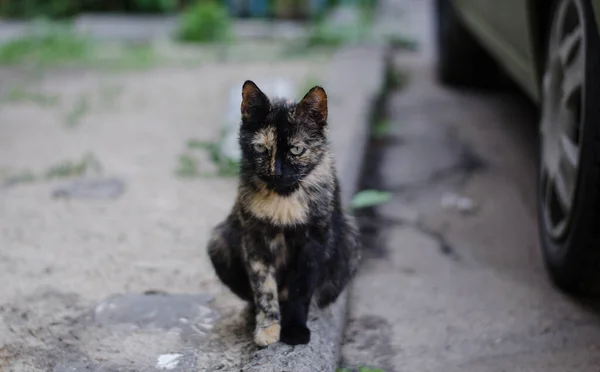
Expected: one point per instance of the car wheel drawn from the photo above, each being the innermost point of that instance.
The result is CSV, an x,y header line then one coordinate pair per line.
x,y
462,61
569,177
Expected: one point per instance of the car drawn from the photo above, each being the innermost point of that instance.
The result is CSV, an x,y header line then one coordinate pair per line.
x,y
551,50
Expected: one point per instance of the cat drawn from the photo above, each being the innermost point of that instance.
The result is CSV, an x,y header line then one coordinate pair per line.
x,y
287,238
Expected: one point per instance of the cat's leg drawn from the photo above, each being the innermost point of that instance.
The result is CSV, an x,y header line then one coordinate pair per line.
x,y
302,282
261,272
224,250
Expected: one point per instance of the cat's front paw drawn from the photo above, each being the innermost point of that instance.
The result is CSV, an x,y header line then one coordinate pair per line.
x,y
295,335
265,336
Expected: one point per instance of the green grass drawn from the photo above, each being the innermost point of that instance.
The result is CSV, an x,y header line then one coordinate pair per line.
x,y
187,166
78,111
19,94
49,44
402,42
324,33
225,167
46,44
65,169
17,177
381,129
70,168
131,57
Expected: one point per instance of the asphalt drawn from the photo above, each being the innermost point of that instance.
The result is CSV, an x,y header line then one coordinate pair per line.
x,y
453,279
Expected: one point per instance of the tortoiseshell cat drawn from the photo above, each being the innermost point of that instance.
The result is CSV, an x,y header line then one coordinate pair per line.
x,y
287,237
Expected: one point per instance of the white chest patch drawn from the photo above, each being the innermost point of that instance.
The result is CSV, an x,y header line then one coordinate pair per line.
x,y
279,210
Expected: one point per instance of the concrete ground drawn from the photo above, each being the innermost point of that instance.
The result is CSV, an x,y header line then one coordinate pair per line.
x,y
450,287
109,189
106,204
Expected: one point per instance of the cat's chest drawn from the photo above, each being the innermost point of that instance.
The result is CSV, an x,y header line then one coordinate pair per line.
x,y
290,210
283,246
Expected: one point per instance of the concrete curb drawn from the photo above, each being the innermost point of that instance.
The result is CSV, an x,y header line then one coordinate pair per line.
x,y
354,81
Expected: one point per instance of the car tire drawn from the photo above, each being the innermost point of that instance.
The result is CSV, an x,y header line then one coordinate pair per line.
x,y
569,171
461,60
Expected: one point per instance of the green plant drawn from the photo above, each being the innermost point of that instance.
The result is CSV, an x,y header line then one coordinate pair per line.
x,y
38,8
370,198
18,94
160,6
187,166
81,107
225,167
205,22
11,177
381,129
355,28
74,169
45,43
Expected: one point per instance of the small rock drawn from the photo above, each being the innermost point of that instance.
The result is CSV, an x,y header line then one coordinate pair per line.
x,y
168,361
460,203
110,188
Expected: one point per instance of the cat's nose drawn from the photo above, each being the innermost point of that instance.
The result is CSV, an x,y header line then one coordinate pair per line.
x,y
278,172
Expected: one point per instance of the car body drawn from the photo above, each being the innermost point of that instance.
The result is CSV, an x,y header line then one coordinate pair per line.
x,y
513,31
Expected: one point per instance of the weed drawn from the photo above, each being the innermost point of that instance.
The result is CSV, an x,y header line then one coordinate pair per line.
x,y
360,369
369,198
160,6
140,56
49,44
395,79
76,114
381,129
354,26
187,166
18,94
225,167
45,44
10,177
74,169
402,42
205,22
88,163
37,8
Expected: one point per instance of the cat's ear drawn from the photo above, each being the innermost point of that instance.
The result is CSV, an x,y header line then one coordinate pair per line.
x,y
314,106
255,103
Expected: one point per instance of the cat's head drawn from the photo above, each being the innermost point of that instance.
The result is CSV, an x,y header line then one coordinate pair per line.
x,y
281,141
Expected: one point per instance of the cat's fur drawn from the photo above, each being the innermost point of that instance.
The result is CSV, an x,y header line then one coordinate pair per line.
x,y
287,237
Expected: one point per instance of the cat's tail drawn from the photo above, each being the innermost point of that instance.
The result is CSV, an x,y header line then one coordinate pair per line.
x,y
341,265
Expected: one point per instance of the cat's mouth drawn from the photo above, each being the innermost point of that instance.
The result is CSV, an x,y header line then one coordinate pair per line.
x,y
282,186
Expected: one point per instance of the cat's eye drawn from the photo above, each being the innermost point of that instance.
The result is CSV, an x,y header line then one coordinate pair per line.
x,y
297,150
260,147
